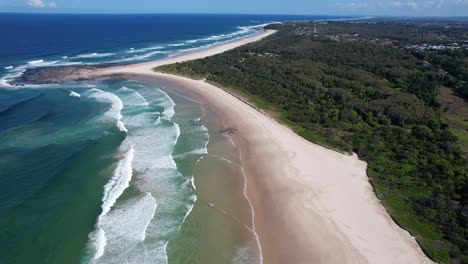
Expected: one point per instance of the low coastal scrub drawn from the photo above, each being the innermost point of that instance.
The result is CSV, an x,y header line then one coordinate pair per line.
x,y
377,100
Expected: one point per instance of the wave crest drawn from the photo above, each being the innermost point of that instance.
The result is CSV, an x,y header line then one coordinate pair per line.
x,y
116,106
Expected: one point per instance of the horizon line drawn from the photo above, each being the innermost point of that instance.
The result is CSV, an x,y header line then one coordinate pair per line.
x,y
230,14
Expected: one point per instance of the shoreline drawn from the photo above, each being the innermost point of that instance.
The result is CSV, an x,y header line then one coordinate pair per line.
x,y
147,67
319,199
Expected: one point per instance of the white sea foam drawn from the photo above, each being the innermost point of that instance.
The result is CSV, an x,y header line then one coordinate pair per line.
x,y
98,243
119,181
193,198
94,55
211,41
132,50
168,105
139,57
154,48
218,39
65,57
136,230
116,106
74,94
230,36
112,191
143,237
192,183
124,229
16,72
68,63
35,61
176,44
133,97
6,80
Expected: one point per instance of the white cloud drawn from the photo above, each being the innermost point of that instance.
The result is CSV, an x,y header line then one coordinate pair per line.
x,y
462,2
41,4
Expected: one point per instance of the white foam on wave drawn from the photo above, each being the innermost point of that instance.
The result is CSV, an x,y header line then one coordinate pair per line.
x,y
157,173
36,64
190,207
69,63
6,80
35,61
116,106
124,231
176,44
139,57
168,105
241,30
16,72
98,243
94,55
145,226
133,97
113,189
74,94
132,50
217,40
125,228
119,181
137,230
210,38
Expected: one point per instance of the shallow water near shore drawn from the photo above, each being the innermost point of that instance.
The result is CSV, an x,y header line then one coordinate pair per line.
x,y
219,226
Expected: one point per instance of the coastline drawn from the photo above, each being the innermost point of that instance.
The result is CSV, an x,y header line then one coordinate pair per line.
x,y
309,203
147,67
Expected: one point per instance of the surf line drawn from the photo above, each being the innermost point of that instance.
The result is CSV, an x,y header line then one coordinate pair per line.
x,y
114,188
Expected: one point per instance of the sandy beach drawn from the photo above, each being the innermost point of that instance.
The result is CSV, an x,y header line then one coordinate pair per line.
x,y
310,204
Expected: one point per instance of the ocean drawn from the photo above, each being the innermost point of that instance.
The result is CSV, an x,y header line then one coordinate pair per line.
x,y
117,171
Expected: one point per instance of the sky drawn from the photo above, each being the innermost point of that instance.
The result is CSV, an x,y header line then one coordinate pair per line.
x,y
297,7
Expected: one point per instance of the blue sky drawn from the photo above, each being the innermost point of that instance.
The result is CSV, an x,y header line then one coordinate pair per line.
x,y
307,7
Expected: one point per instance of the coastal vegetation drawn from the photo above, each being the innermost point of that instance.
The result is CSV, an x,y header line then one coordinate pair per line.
x,y
360,87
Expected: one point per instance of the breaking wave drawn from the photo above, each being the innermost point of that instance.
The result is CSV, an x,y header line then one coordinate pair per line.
x,y
138,228
94,55
116,105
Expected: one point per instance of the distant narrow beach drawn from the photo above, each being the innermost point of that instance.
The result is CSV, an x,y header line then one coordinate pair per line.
x,y
309,204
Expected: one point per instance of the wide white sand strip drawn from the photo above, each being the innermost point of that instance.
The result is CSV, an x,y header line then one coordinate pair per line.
x,y
312,205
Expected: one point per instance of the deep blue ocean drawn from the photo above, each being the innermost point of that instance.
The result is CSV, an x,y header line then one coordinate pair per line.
x,y
69,152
